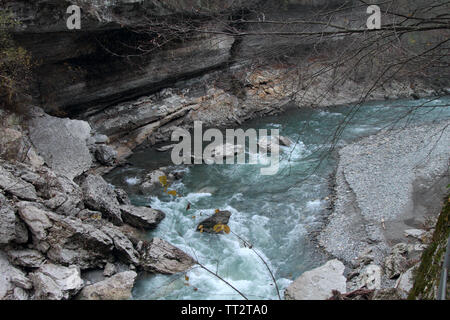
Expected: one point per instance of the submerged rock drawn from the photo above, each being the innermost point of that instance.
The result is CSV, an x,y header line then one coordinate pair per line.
x,y
318,284
269,144
117,287
159,256
165,148
221,217
227,150
285,141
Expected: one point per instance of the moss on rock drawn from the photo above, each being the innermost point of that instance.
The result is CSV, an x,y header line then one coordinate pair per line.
x,y
429,272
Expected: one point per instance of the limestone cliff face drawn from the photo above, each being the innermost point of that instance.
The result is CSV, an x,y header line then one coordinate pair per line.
x,y
99,66
76,68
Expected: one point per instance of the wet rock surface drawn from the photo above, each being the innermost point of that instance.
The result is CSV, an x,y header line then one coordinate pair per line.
x,y
207,225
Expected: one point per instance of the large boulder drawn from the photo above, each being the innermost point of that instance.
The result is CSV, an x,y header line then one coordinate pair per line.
x,y
117,287
142,217
159,256
318,284
207,225
66,240
100,196
62,144
54,282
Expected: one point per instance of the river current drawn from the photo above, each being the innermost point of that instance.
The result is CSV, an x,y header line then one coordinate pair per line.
x,y
276,214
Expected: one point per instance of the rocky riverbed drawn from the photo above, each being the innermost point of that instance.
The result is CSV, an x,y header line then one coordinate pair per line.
x,y
66,233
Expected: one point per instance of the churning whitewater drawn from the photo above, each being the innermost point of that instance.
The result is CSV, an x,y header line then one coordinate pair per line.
x,y
276,214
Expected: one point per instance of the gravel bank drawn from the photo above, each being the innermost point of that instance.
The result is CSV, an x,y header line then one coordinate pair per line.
x,y
385,184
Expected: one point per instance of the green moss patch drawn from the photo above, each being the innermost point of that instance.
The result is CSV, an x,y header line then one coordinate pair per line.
x,y
429,271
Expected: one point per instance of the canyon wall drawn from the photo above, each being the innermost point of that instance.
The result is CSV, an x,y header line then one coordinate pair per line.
x,y
99,65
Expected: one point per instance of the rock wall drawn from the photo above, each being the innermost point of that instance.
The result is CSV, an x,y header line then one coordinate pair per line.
x,y
76,68
59,221
98,66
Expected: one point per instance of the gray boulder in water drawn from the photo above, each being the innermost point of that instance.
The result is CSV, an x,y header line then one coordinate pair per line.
x,y
221,217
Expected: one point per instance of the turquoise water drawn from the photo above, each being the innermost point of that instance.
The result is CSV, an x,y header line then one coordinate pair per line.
x,y
275,213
